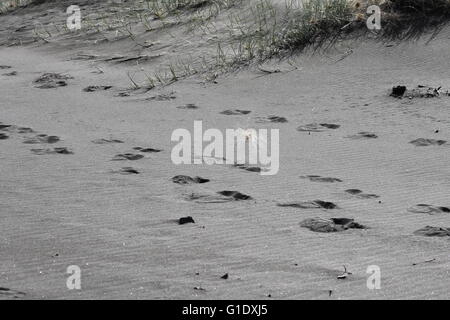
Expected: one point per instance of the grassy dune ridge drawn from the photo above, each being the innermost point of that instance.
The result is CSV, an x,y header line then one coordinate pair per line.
x,y
222,35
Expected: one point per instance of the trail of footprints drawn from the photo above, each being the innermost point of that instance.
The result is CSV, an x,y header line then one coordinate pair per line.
x,y
318,224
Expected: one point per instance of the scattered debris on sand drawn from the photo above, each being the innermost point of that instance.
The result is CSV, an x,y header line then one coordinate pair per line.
x,y
330,225
189,180
344,275
420,91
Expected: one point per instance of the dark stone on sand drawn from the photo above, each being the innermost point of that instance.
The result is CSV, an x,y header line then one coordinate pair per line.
x,y
225,276
331,225
398,91
189,180
185,220
430,231
330,125
129,170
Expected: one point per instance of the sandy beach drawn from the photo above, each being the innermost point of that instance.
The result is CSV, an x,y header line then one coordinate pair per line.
x,y
87,177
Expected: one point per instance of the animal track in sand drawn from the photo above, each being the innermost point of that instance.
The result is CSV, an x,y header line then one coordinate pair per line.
x,y
430,231
317,127
363,135
421,142
2,67
127,156
60,150
271,119
96,88
189,106
358,193
330,225
11,293
220,197
51,80
315,178
147,150
235,112
189,180
3,136
426,208
42,138
316,204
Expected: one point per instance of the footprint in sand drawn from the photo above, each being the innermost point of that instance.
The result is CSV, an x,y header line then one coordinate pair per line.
x,y
315,178
248,168
430,231
147,150
429,209
359,194
3,136
96,88
421,142
162,97
317,127
316,204
363,135
11,293
235,112
10,74
189,180
271,119
60,150
127,171
127,156
106,141
3,67
220,197
330,225
15,129
42,138
189,106
51,80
